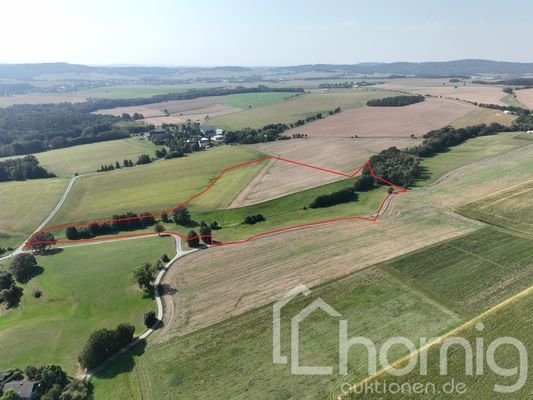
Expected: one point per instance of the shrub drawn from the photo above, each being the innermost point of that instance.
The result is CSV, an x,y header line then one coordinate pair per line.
x,y
149,319
363,182
253,219
345,195
193,240
395,101
205,233
23,266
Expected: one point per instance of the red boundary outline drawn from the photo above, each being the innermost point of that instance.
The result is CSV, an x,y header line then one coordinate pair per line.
x,y
398,189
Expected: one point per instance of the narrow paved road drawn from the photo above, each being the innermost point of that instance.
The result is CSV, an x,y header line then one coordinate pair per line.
x,y
47,219
158,283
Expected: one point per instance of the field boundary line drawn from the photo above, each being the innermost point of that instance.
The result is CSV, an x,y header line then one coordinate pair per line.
x,y
396,189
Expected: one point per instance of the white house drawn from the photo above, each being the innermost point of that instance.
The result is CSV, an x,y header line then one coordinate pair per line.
x,y
203,142
529,132
219,131
219,138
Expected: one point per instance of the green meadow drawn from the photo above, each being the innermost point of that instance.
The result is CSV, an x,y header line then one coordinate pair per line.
x,y
83,289
473,150
158,186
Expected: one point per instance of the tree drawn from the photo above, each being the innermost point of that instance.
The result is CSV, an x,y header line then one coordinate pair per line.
x,y
341,196
181,216
78,389
164,217
164,258
103,343
205,233
52,375
363,182
6,279
10,395
144,275
71,233
42,242
23,266
158,228
149,319
52,394
117,165
10,297
192,239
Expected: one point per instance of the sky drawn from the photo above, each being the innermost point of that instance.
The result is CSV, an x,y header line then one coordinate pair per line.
x,y
263,33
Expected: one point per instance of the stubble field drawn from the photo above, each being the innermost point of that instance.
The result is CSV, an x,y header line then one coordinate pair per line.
x,y
416,119
279,178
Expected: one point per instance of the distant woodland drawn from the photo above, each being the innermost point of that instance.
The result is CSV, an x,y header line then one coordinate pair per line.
x,y
395,101
26,129
21,169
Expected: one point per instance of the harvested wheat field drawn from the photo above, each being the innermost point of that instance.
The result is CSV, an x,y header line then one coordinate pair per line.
x,y
179,111
525,96
207,287
415,119
481,115
479,94
279,178
245,276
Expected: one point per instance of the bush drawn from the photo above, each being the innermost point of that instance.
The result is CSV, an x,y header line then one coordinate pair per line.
x,y
10,297
363,182
6,279
345,195
253,219
149,319
23,266
205,234
395,101
193,240
181,216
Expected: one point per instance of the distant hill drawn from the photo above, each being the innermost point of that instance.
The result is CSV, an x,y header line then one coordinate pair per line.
x,y
458,67
444,68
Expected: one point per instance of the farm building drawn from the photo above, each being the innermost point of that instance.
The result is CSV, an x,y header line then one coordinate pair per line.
x,y
159,135
203,142
219,138
208,131
529,132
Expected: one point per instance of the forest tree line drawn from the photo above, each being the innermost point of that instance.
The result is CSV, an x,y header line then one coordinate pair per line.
x,y
395,101
270,132
402,167
20,169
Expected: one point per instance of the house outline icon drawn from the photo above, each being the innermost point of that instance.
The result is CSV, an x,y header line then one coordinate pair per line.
x,y
278,358
296,368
